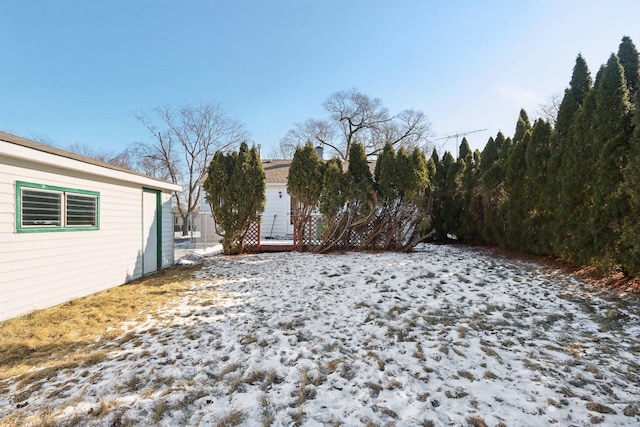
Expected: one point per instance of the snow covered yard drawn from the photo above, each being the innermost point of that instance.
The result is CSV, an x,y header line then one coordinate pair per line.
x,y
444,336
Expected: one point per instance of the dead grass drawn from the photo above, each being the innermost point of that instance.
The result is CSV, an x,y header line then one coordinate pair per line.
x,y
376,358
69,334
599,407
305,392
466,374
476,422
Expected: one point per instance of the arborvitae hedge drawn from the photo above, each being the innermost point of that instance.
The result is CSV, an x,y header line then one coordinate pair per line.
x,y
572,191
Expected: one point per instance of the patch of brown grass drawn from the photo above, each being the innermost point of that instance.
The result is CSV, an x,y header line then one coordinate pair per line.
x,y
70,333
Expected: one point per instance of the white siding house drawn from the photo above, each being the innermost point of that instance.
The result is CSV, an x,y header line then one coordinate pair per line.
x,y
72,226
276,218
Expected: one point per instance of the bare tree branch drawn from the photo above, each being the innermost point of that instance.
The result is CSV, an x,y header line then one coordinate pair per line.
x,y
549,111
353,117
184,143
319,132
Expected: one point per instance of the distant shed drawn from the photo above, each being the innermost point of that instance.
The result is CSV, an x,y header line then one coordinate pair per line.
x,y
71,226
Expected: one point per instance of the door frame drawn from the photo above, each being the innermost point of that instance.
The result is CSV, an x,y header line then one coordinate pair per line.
x,y
158,219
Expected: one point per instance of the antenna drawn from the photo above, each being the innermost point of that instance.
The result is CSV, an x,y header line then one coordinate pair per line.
x,y
457,135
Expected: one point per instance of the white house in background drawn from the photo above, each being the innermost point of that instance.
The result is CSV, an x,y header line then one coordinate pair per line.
x,y
276,218
71,226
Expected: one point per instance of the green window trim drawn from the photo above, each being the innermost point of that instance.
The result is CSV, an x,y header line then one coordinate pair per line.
x,y
68,209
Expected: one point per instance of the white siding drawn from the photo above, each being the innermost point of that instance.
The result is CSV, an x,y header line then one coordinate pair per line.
x,y
276,219
167,231
46,268
204,206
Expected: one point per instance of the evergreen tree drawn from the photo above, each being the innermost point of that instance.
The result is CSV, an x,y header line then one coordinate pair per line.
x,y
361,204
361,180
419,179
453,197
468,167
430,190
235,189
612,136
446,203
568,159
628,56
304,184
335,189
401,218
515,184
575,208
538,224
346,201
493,192
385,173
581,82
435,157
431,169
630,245
490,153
514,167
522,126
464,151
475,206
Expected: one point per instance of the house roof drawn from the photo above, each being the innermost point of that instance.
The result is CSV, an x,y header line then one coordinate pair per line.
x,y
97,166
276,171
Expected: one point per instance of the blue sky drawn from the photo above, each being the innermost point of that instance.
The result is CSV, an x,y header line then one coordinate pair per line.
x,y
76,71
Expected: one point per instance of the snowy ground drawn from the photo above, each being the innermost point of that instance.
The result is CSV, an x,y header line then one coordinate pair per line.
x,y
443,336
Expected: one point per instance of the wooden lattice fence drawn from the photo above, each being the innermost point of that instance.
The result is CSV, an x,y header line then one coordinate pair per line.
x,y
311,235
251,242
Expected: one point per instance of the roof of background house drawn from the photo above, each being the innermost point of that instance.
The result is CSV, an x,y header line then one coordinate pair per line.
x,y
23,142
276,171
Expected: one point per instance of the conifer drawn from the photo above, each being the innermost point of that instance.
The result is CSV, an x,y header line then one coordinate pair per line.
x,y
630,243
612,137
515,185
304,184
628,56
235,189
538,223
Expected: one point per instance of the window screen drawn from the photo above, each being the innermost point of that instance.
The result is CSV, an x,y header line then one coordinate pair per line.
x,y
41,208
81,210
50,208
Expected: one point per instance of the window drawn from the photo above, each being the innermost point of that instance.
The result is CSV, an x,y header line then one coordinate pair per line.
x,y
82,210
49,208
41,208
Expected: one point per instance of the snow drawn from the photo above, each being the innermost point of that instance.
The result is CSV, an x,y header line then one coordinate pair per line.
x,y
445,334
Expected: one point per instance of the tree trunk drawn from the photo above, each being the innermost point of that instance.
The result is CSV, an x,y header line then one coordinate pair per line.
x,y
185,224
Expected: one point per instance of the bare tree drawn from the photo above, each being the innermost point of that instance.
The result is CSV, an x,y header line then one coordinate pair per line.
x,y
138,157
141,157
88,151
316,131
184,142
355,117
549,111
